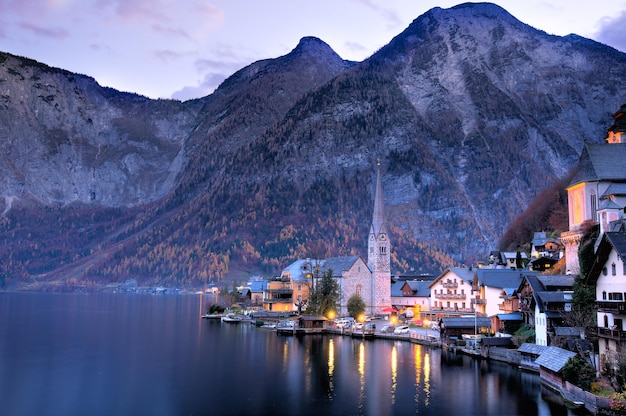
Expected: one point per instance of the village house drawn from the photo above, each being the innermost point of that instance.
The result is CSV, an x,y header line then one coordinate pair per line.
x,y
543,299
492,286
412,292
451,293
597,192
608,275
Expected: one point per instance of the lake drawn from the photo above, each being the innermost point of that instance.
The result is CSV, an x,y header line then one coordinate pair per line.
x,y
132,354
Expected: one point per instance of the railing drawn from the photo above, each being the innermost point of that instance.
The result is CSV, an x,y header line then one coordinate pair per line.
x,y
281,291
614,306
450,284
278,300
450,295
450,309
615,334
479,301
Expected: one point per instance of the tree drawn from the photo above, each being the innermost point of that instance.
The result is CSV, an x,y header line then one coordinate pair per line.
x,y
325,295
579,372
356,306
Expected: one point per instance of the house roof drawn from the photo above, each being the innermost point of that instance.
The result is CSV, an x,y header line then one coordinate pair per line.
x,y
600,162
420,289
513,316
500,278
468,322
464,273
529,348
610,241
554,358
616,188
257,286
543,286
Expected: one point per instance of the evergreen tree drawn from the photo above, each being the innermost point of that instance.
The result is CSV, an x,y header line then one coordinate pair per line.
x,y
356,306
325,295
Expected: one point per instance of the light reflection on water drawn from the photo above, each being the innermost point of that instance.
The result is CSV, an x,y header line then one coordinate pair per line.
x,y
143,354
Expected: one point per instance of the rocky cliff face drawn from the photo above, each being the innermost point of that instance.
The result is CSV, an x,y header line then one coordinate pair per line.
x,y
471,113
65,139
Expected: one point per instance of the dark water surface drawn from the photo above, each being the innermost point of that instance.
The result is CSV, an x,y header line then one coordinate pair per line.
x,y
120,354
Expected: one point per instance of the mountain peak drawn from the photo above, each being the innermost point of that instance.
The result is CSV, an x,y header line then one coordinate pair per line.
x,y
315,47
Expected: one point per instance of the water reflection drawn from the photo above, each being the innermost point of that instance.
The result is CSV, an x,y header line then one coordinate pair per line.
x,y
72,354
394,373
331,367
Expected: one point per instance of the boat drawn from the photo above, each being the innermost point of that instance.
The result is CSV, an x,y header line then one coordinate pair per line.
x,y
232,318
214,316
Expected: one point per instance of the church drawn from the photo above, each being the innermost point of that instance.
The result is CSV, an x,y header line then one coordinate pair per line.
x,y
370,280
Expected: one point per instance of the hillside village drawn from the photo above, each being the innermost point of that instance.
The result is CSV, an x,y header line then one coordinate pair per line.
x,y
509,290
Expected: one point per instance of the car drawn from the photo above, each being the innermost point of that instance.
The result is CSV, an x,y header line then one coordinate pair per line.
x,y
387,329
402,329
358,326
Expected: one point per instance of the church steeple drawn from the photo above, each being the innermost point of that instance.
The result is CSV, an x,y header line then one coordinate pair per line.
x,y
378,219
379,253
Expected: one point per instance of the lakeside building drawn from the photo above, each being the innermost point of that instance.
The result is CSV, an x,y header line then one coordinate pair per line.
x,y
597,192
608,275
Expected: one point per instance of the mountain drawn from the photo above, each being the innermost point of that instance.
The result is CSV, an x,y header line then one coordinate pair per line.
x,y
470,112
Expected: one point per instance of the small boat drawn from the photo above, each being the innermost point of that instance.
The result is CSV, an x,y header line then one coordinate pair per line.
x,y
232,318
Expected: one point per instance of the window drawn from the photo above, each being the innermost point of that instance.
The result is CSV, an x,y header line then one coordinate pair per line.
x,y
613,269
358,290
606,321
605,271
604,295
593,202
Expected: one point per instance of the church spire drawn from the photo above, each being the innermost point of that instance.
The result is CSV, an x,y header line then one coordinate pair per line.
x,y
378,218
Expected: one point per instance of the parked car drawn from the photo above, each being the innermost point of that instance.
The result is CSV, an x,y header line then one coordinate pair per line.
x,y
402,329
358,326
387,329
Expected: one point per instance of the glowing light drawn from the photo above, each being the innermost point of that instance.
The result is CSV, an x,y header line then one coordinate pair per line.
x,y
394,373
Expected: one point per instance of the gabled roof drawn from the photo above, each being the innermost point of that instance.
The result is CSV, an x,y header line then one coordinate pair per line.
x,y
615,189
529,348
610,241
544,286
420,289
501,278
299,269
338,264
554,358
467,274
601,162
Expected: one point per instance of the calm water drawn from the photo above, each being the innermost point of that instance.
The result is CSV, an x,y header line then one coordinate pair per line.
x,y
112,354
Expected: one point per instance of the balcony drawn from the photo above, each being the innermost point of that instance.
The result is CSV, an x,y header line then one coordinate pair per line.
x,y
450,295
614,334
479,301
612,306
450,285
283,291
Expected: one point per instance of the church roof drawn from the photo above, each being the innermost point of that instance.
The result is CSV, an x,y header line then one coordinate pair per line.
x,y
601,162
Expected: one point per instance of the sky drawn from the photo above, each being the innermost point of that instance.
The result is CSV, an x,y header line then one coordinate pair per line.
x,y
184,49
